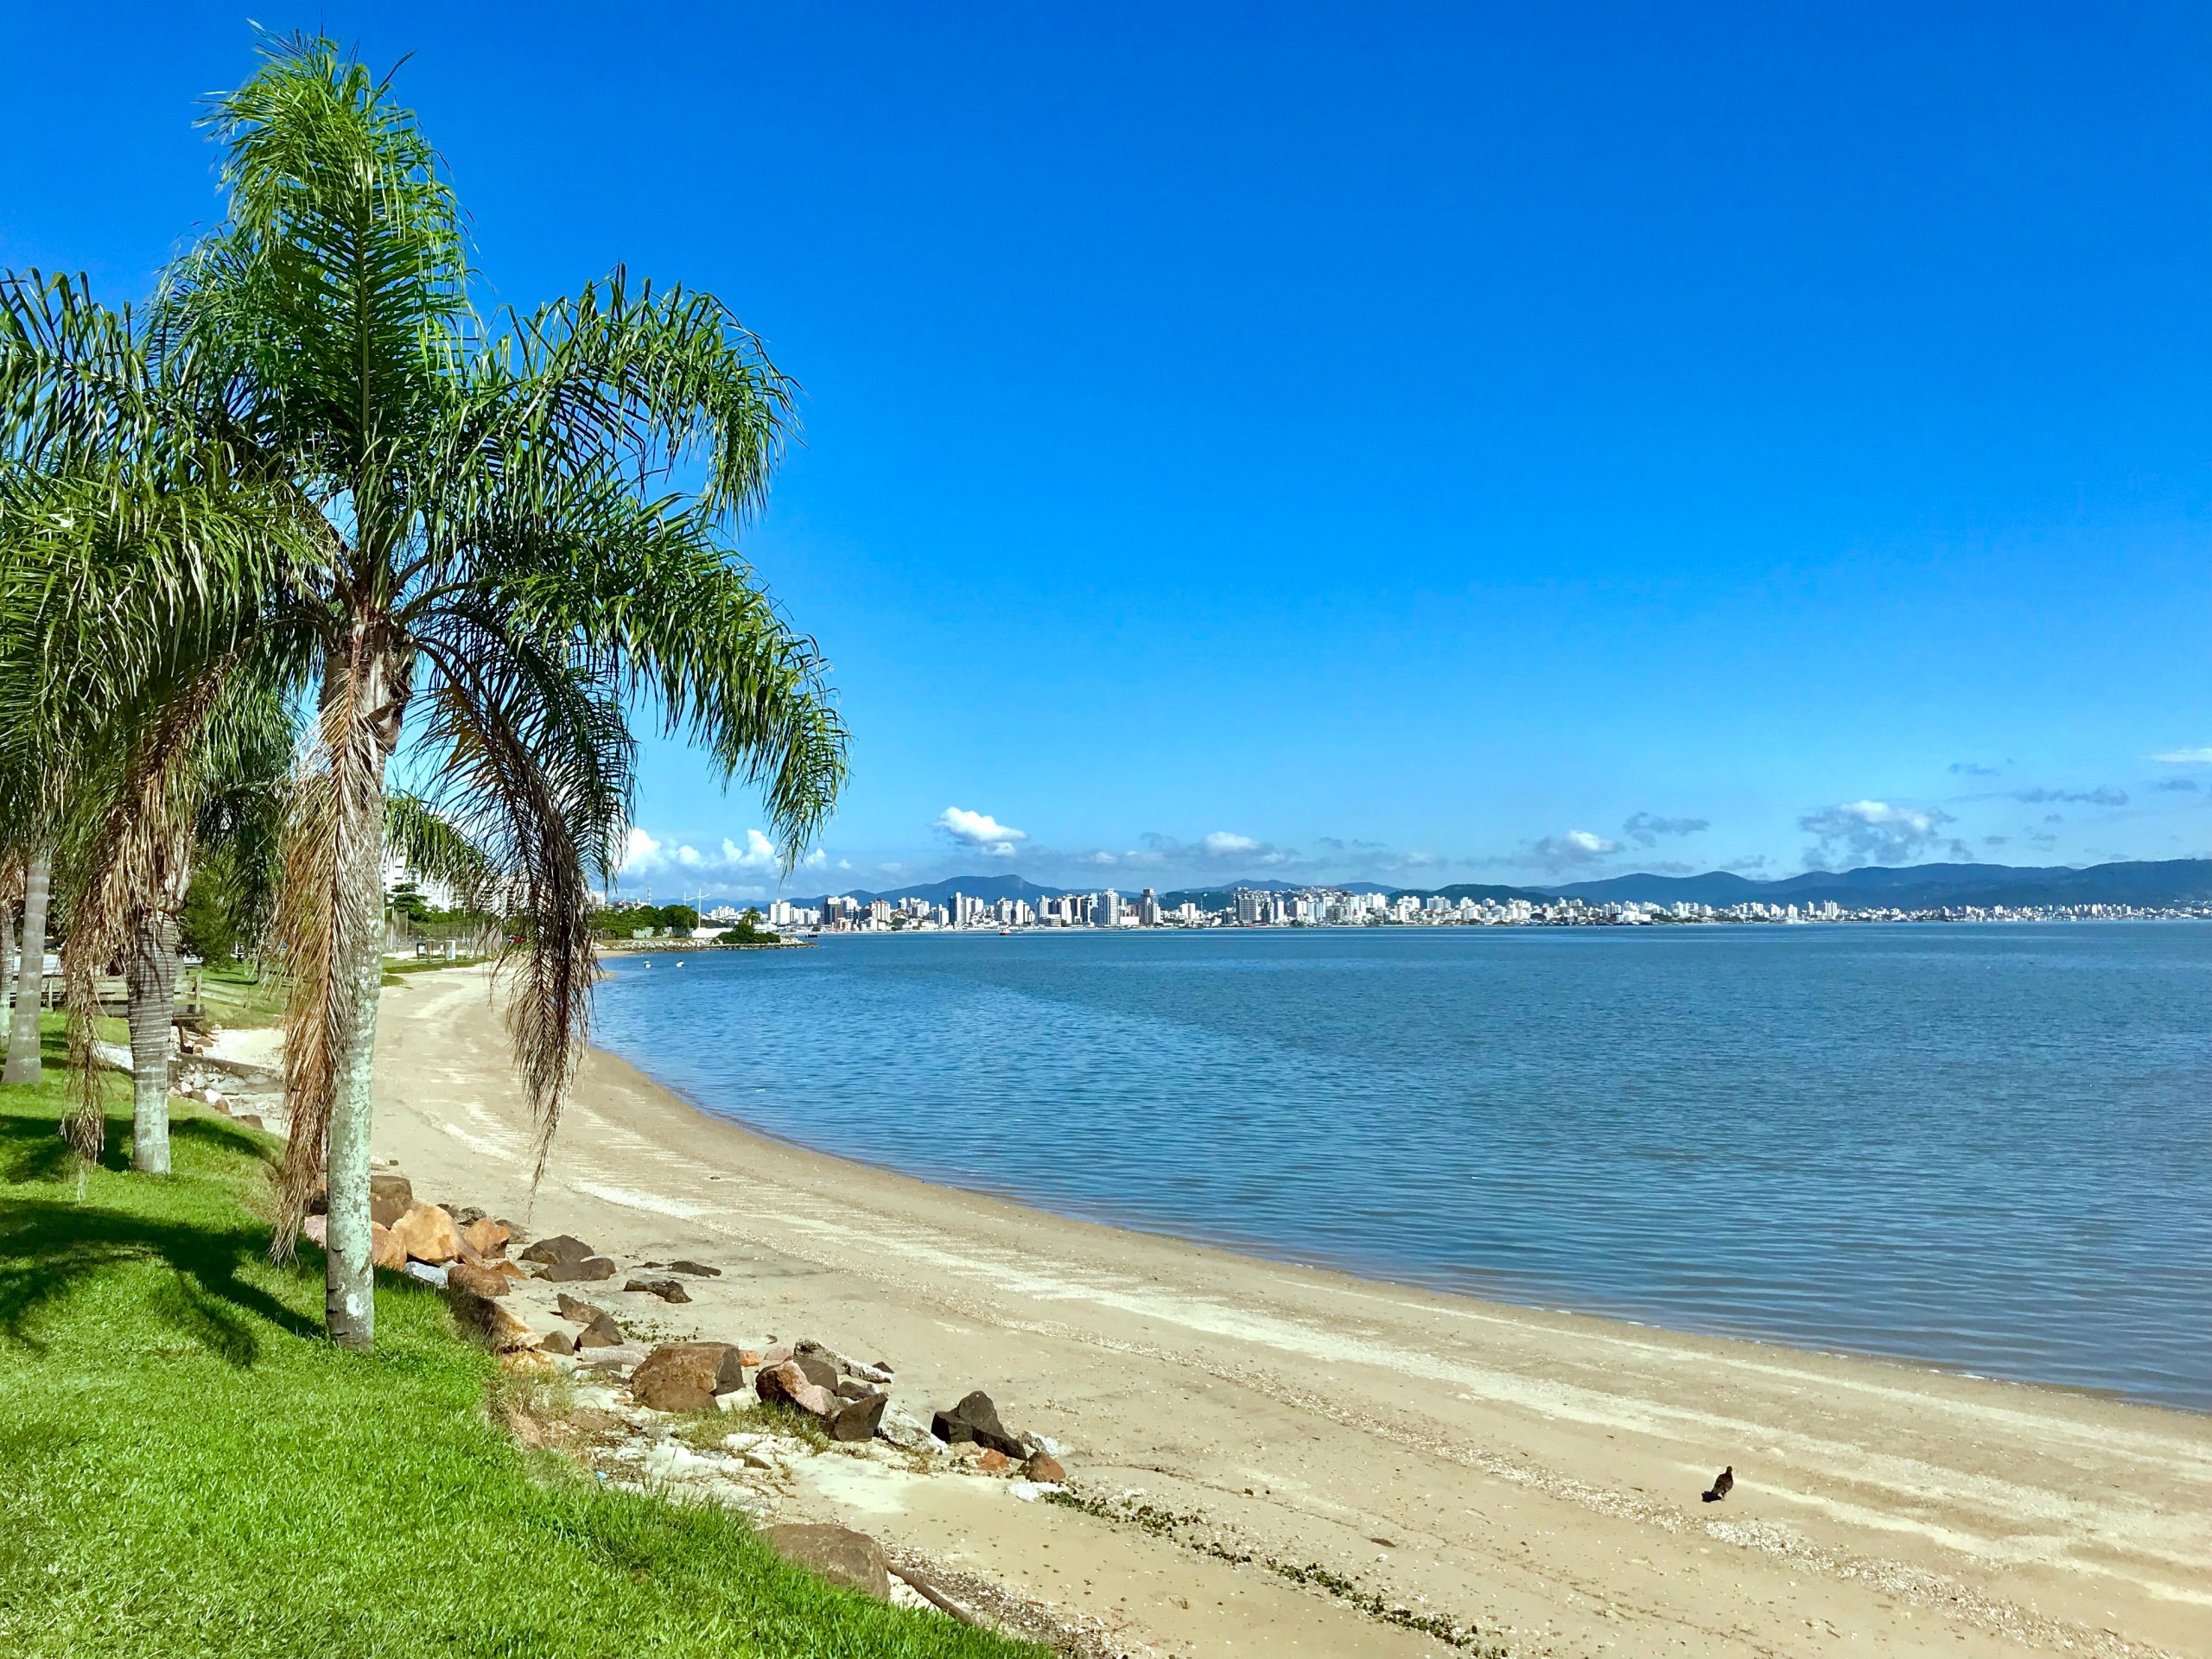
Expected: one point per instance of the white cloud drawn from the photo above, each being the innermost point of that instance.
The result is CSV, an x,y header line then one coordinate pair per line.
x,y
979,831
1572,850
1221,844
646,854
642,852
1870,832
2185,757
816,860
1102,858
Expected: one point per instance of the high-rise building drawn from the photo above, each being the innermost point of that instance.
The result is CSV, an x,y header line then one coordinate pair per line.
x,y
1148,910
1109,908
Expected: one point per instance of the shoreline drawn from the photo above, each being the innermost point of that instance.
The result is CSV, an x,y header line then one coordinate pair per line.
x,y
1532,1472
1251,1256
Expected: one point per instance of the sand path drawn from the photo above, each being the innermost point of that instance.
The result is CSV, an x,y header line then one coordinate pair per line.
x,y
1533,1474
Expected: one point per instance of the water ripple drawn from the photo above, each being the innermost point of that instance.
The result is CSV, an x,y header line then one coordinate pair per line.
x,y
1989,1147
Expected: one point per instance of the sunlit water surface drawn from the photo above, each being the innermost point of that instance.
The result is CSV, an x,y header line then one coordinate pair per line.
x,y
1988,1147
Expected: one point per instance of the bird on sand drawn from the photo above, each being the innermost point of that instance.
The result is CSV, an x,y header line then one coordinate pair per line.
x,y
1723,1484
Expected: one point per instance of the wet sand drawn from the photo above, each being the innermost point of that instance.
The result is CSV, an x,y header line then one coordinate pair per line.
x,y
1533,1474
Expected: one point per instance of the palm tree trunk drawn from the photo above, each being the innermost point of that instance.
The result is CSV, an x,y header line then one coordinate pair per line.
x,y
151,971
8,914
349,1307
30,976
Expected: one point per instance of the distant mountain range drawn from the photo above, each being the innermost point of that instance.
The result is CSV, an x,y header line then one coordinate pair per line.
x,y
1908,887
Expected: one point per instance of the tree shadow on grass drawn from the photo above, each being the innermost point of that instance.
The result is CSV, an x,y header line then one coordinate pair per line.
x,y
50,1247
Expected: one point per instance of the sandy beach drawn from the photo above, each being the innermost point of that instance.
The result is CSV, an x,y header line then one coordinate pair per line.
x,y
1536,1474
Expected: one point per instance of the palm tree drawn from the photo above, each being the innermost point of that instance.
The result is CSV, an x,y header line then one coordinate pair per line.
x,y
490,568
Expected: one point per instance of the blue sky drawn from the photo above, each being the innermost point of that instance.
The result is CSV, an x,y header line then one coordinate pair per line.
x,y
1430,444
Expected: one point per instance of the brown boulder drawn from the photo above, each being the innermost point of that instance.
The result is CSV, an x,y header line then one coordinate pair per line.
x,y
316,1231
562,1247
426,1234
993,1461
788,1384
484,1238
559,1341
977,1420
819,1372
838,1553
481,1317
383,1249
697,1269
391,1197
577,1310
601,1332
669,1290
482,1281
686,1376
577,1272
855,1420
1046,1468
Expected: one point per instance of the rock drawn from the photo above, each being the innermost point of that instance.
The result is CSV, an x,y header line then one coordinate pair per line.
x,y
577,1310
560,1341
482,1281
909,1433
751,1360
601,1332
697,1269
560,1248
819,1372
838,1553
576,1272
855,1420
975,1419
508,1270
464,1214
383,1249
391,1197
686,1376
851,1367
621,1358
485,1319
851,1388
787,1382
777,1354
669,1290
427,1233
316,1229
251,1119
424,1273
993,1461
485,1237
1045,1468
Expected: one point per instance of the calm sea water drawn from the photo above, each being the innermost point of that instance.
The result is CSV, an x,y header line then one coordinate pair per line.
x,y
1987,1147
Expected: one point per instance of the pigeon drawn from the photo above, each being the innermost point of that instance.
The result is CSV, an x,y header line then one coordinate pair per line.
x,y
1723,1484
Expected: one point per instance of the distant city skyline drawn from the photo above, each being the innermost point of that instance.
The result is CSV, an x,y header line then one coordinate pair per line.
x,y
1405,443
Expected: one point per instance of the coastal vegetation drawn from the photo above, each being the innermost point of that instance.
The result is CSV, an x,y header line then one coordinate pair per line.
x,y
310,478
189,1469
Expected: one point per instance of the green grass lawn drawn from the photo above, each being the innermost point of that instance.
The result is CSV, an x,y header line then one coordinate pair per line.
x,y
232,994
187,1468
